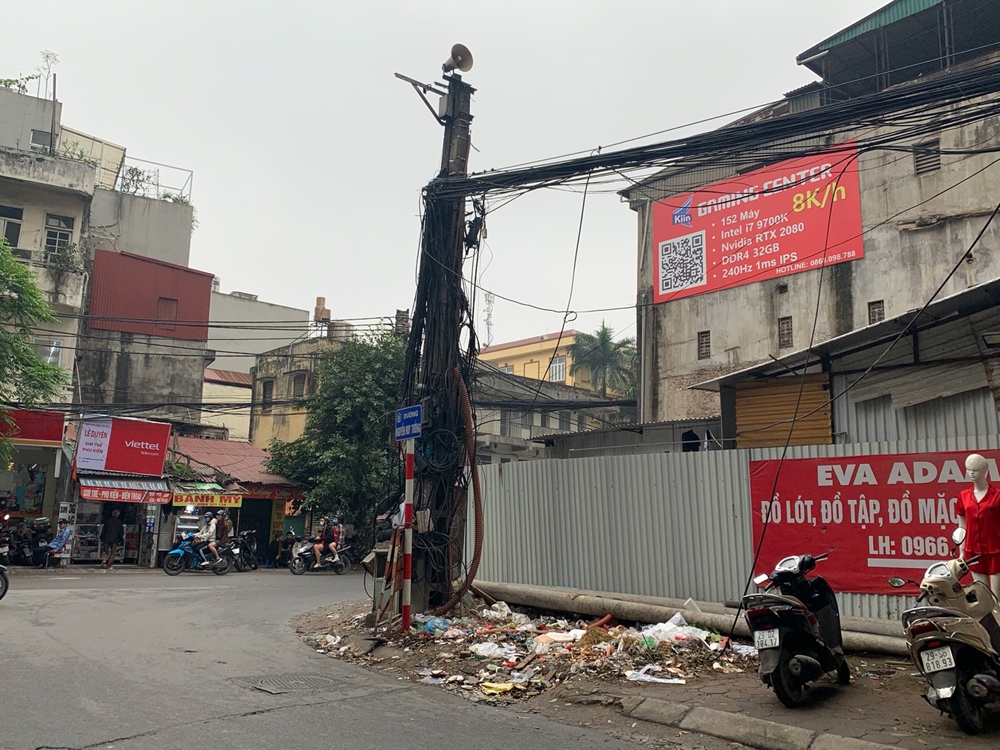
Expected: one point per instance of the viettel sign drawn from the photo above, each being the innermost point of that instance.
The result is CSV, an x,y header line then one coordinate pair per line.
x,y
132,446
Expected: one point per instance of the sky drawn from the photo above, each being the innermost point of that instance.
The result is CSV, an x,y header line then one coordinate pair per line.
x,y
309,155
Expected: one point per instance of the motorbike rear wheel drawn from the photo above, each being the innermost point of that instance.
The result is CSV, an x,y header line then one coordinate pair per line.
x,y
343,564
173,565
221,570
789,689
297,566
4,584
970,714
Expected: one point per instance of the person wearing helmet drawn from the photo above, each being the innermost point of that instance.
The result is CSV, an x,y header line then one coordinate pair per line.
x,y
204,535
325,539
221,532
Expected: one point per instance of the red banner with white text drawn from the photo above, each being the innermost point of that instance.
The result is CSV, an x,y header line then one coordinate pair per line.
x,y
877,516
797,215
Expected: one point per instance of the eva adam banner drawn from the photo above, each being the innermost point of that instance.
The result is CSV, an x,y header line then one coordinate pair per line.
x,y
793,216
131,446
877,516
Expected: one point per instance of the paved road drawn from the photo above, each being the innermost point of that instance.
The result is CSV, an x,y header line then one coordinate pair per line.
x,y
139,660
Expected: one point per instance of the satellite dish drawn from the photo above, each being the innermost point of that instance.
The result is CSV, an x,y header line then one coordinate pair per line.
x,y
460,58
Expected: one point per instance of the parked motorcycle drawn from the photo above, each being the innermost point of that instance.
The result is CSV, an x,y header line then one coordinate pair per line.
x,y
183,557
304,560
245,551
797,632
954,640
5,539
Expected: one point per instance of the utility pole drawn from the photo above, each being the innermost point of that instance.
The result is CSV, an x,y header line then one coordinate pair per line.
x,y
435,364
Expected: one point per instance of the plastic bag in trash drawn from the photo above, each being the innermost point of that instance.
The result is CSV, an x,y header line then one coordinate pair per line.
x,y
643,676
677,620
499,611
436,625
493,650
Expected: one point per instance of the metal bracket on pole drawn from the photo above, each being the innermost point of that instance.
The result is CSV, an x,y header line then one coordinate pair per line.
x,y
422,89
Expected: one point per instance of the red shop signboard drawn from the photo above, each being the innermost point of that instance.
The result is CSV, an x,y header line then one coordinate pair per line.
x,y
131,446
877,516
794,216
33,428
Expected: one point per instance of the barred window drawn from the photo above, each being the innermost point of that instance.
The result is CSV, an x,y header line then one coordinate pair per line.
x,y
876,311
785,333
704,344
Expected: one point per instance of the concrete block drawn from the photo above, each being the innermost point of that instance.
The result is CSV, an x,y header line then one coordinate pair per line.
x,y
836,742
660,711
630,702
749,731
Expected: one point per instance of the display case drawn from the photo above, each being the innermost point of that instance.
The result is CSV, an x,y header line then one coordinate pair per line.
x,y
185,522
87,542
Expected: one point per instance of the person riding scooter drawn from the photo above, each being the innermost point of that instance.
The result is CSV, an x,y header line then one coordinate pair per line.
x,y
326,538
204,535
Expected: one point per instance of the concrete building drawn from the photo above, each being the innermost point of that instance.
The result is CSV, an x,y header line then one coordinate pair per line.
x,y
511,411
59,206
257,327
222,389
282,380
896,222
537,358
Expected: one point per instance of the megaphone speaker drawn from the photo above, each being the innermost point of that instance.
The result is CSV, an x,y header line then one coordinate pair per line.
x,y
460,59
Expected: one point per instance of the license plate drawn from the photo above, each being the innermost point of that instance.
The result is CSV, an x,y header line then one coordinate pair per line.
x,y
937,659
766,639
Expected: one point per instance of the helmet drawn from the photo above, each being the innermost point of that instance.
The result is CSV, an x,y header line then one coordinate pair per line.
x,y
222,512
208,514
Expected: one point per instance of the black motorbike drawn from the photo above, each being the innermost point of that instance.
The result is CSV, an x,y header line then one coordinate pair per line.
x,y
303,559
244,549
5,540
4,583
797,632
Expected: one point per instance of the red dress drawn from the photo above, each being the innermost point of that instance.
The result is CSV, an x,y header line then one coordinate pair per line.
x,y
982,528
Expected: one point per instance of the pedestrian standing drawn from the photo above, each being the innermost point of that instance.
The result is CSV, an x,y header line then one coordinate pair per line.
x,y
112,535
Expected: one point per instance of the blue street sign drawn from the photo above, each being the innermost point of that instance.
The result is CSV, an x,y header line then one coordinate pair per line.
x,y
408,421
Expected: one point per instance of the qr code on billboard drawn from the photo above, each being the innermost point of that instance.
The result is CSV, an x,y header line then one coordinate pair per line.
x,y
682,262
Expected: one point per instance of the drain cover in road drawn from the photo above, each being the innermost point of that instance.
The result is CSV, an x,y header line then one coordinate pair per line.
x,y
277,684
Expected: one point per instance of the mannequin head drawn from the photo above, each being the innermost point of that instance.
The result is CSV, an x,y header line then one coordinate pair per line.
x,y
976,468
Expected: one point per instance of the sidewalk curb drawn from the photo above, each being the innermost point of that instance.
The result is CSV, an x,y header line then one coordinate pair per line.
x,y
747,730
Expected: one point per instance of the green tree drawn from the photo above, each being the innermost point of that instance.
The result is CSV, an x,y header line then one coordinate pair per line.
x,y
611,363
25,378
347,452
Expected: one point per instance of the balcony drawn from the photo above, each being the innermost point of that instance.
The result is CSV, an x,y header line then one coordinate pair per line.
x,y
73,176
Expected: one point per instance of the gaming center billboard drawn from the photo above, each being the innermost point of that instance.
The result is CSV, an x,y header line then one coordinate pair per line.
x,y
796,215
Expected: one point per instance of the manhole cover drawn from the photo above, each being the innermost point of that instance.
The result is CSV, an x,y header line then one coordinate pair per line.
x,y
276,684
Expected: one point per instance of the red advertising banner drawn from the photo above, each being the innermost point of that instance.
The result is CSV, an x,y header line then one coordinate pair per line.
x,y
131,446
877,516
115,495
789,217
34,428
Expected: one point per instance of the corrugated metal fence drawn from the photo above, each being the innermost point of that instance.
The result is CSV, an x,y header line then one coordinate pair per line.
x,y
669,524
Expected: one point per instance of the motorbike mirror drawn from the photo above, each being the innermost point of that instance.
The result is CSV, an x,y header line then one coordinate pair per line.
x,y
958,535
897,583
761,579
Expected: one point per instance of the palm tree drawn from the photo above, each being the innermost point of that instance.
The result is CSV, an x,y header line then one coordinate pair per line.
x,y
611,363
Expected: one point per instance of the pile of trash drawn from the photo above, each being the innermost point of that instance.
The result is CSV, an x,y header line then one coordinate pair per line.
x,y
499,655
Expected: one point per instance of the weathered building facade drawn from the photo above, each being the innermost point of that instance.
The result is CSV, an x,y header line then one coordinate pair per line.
x,y
921,205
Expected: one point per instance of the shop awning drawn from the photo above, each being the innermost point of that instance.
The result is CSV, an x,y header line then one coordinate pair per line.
x,y
121,490
205,495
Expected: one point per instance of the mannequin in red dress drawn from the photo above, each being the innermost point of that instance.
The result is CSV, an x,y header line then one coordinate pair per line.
x,y
979,514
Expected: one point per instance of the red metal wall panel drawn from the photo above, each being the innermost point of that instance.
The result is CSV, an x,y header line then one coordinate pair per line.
x,y
135,294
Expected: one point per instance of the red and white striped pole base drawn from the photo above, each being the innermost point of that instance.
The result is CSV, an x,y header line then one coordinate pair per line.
x,y
407,538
